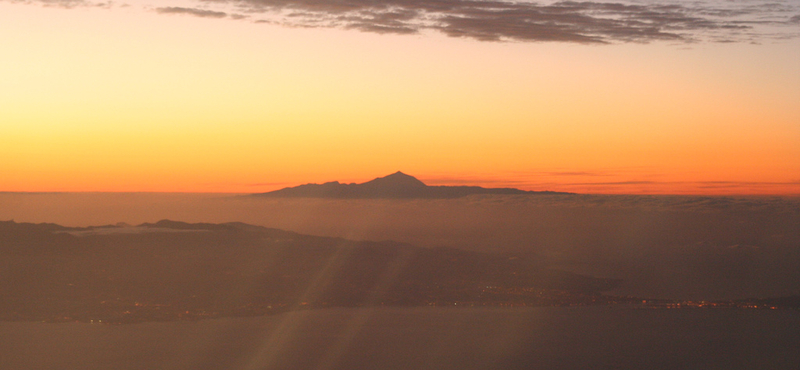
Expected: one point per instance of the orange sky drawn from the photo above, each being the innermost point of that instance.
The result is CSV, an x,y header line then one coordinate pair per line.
x,y
127,99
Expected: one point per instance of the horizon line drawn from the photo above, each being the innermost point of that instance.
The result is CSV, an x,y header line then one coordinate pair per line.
x,y
556,192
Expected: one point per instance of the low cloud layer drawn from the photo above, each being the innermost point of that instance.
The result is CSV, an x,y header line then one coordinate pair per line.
x,y
589,22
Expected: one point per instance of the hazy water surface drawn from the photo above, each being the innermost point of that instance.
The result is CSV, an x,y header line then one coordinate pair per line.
x,y
421,338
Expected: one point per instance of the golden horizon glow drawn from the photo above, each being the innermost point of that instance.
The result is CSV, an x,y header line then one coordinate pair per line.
x,y
125,100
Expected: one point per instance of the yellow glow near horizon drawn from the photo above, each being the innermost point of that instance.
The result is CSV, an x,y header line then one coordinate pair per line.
x,y
125,100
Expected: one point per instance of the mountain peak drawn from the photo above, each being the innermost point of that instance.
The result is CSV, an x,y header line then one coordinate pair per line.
x,y
397,180
398,175
395,186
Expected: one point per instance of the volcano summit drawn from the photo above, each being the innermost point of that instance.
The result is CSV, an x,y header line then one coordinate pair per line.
x,y
395,186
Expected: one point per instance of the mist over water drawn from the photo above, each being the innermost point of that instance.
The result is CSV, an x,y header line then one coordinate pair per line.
x,y
421,338
680,247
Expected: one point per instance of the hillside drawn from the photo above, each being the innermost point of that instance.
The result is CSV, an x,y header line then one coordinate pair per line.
x,y
173,270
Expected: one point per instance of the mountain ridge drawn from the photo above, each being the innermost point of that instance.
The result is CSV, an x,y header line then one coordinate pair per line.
x,y
394,186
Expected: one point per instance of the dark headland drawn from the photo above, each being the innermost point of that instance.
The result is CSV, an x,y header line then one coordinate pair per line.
x,y
395,186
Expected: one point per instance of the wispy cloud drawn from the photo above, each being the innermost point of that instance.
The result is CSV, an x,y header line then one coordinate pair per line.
x,y
685,187
589,22
575,173
614,183
63,3
470,181
564,21
741,184
192,11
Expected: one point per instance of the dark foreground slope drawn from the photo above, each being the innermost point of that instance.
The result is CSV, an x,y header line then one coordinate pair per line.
x,y
395,186
173,270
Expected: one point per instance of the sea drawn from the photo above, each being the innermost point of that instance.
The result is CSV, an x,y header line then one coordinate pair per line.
x,y
463,338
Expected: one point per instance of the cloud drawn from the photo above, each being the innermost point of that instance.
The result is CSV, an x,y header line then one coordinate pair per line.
x,y
564,21
587,22
192,11
743,184
60,3
615,183
470,181
575,173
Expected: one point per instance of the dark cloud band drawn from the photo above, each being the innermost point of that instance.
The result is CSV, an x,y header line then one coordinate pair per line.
x,y
192,11
564,21
589,22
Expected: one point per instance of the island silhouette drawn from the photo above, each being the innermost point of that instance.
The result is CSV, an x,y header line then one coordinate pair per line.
x,y
172,270
395,186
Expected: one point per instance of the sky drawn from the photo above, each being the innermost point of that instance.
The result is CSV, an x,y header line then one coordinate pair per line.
x,y
640,97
